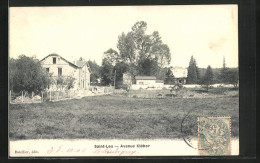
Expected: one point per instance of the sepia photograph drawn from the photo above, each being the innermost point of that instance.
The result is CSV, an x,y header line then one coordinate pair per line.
x,y
111,81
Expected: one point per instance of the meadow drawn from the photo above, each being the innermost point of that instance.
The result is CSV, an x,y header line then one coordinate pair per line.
x,y
119,116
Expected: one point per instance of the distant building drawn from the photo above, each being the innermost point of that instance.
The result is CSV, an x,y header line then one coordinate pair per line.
x,y
146,82
180,74
60,67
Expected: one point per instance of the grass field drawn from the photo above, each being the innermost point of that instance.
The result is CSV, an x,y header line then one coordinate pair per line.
x,y
115,116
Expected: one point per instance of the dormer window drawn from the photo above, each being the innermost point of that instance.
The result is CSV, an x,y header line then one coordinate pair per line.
x,y
54,60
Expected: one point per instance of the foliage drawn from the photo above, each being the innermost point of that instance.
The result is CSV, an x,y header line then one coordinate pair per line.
x,y
193,72
26,74
95,71
137,47
207,80
120,68
111,56
148,67
63,82
232,77
106,72
169,77
228,75
69,82
144,54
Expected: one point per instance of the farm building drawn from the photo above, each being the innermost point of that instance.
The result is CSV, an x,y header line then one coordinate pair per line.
x,y
147,82
180,74
60,67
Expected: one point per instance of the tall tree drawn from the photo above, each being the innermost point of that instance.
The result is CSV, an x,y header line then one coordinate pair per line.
x,y
233,77
192,72
148,67
95,71
197,71
126,47
208,78
107,73
111,56
120,68
169,77
137,47
223,74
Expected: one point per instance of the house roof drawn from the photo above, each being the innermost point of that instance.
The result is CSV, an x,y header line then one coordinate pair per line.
x,y
78,63
145,78
179,72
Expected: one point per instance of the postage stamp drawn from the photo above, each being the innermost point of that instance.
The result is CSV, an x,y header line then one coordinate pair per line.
x,y
214,135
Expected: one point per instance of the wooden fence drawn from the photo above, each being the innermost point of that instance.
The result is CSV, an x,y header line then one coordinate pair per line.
x,y
25,97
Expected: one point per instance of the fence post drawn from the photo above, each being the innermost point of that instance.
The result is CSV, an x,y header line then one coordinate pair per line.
x,y
58,96
42,96
50,95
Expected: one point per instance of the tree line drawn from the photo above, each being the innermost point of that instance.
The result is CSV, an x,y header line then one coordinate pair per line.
x,y
138,53
145,54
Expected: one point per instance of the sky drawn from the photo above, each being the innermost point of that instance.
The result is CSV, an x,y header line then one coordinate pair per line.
x,y
208,32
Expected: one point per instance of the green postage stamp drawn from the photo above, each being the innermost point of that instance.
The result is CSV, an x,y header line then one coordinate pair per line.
x,y
214,135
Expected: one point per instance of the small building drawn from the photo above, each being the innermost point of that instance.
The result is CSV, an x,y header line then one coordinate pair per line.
x,y
60,67
145,80
180,74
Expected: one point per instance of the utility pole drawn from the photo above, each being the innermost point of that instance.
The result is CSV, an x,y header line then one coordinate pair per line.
x,y
115,80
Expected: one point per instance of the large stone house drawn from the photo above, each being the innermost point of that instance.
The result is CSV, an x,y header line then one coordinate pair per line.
x,y
60,67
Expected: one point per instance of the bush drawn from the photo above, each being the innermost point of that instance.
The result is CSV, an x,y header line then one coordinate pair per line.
x,y
26,74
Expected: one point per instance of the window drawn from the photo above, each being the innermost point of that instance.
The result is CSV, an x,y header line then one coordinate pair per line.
x,y
54,60
59,71
47,69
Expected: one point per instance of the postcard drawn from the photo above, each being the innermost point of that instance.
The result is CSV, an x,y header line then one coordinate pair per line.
x,y
114,81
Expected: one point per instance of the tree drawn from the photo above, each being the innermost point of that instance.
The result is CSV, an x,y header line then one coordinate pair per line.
x,y
208,78
193,72
126,47
232,77
111,56
95,71
136,48
106,73
26,74
148,67
169,77
197,71
120,69
223,74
